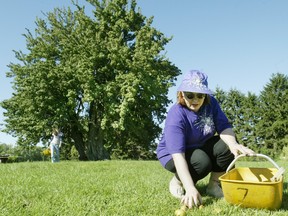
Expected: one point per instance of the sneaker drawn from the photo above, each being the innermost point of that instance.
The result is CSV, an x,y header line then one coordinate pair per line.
x,y
176,188
214,190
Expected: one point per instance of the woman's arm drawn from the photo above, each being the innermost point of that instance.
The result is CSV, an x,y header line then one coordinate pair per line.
x,y
192,196
228,136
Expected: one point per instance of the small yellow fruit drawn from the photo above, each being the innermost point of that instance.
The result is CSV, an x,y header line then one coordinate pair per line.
x,y
180,212
201,206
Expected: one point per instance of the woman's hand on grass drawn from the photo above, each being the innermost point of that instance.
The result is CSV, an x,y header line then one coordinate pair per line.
x,y
192,198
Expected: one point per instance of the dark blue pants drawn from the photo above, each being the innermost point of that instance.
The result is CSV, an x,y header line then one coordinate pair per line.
x,y
214,156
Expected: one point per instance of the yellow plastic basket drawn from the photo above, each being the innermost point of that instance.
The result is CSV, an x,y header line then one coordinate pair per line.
x,y
253,187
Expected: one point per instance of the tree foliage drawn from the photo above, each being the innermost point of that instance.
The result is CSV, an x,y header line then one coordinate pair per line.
x,y
103,80
272,128
259,122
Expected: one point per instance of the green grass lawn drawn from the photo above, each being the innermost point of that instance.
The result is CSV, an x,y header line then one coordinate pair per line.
x,y
105,188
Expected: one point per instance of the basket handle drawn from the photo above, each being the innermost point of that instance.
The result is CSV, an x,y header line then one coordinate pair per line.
x,y
251,155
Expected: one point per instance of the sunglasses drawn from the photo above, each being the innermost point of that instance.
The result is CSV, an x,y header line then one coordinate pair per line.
x,y
191,95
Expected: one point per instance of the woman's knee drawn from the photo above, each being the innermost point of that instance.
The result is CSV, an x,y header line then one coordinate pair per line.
x,y
223,155
201,162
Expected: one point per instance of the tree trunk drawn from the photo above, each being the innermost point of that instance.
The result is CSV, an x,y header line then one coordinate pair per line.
x,y
95,145
79,143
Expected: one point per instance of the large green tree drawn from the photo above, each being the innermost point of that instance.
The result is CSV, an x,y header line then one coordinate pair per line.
x,y
103,79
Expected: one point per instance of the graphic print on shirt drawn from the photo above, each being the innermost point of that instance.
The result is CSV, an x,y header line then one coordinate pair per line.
x,y
205,123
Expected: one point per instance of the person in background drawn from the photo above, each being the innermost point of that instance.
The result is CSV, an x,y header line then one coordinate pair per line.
x,y
197,140
55,145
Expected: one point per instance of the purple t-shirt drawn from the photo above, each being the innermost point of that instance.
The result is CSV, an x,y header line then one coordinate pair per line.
x,y
185,129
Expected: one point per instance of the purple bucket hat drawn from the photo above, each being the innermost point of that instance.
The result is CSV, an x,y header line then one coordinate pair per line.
x,y
195,81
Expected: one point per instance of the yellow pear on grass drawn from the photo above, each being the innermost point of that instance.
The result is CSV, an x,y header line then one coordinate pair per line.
x,y
180,212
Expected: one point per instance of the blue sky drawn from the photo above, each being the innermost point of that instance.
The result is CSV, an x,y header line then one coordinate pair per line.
x,y
239,44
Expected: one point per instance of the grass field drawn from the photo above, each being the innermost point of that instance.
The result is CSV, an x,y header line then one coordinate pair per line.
x,y
106,188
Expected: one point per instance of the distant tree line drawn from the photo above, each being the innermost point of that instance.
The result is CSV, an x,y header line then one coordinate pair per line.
x,y
34,153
